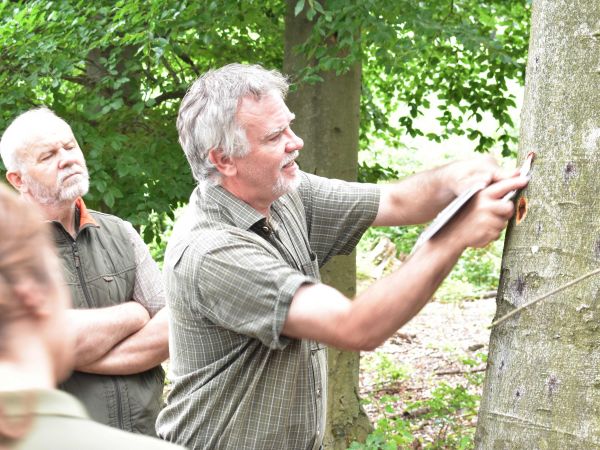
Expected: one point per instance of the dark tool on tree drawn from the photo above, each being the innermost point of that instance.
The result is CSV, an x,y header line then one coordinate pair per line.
x,y
456,205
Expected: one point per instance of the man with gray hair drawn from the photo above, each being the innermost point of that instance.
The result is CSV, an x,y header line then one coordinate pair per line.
x,y
249,316
119,317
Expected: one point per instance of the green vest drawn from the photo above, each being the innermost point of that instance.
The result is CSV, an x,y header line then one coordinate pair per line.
x,y
99,268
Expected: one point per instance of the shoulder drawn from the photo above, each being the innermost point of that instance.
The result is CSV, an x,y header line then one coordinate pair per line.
x,y
105,218
190,247
111,225
314,186
61,420
197,245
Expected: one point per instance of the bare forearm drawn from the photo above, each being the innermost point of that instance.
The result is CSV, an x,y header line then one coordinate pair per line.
x,y
322,313
99,330
141,351
417,199
388,305
378,312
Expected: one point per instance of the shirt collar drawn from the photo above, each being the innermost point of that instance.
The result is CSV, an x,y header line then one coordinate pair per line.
x,y
85,218
228,206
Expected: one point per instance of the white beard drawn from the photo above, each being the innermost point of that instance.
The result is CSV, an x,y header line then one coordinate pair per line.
x,y
59,193
285,185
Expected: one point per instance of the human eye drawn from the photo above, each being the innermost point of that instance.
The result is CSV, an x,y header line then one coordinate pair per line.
x,y
45,156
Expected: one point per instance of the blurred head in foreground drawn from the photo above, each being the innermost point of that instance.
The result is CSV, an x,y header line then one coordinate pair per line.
x,y
36,349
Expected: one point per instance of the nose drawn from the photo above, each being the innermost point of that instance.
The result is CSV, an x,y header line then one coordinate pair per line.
x,y
294,143
67,158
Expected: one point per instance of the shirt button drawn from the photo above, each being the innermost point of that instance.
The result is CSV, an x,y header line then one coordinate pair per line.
x,y
318,392
266,229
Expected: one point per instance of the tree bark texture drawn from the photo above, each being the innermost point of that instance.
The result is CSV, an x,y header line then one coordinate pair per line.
x,y
542,388
327,118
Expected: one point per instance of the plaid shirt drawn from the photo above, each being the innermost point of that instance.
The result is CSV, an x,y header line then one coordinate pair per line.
x,y
148,287
230,277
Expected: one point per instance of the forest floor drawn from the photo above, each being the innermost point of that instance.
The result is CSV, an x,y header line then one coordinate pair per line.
x,y
426,380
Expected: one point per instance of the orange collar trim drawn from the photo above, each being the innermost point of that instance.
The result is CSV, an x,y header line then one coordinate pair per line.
x,y
85,218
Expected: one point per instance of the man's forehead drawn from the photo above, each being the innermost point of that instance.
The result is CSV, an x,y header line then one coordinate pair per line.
x,y
270,105
50,133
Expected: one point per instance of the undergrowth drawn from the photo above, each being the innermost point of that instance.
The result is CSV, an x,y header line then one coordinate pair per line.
x,y
443,420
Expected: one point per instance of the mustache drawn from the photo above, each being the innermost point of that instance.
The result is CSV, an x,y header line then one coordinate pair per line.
x,y
290,158
74,169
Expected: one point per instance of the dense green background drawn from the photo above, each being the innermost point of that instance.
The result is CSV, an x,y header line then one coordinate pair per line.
x,y
116,71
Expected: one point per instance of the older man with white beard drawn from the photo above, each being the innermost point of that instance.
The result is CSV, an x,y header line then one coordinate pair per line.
x,y
119,316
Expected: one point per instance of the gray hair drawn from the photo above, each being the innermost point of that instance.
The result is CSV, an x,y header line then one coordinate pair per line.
x,y
207,115
15,137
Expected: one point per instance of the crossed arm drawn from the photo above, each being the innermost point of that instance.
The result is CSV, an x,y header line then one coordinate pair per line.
x,y
125,339
119,340
322,313
143,348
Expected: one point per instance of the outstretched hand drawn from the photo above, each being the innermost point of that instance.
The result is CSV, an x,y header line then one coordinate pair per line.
x,y
462,175
487,214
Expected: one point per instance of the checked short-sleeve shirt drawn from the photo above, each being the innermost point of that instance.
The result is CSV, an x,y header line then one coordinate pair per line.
x,y
230,276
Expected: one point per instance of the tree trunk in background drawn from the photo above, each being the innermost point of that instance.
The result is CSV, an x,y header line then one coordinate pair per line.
x,y
327,118
542,388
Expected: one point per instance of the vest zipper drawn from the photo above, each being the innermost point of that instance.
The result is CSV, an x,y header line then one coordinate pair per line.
x,y
86,292
120,424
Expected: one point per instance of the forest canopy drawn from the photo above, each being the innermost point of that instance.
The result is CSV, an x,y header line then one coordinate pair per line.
x,y
116,71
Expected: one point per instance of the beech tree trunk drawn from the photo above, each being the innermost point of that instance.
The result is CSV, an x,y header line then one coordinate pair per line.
x,y
327,118
542,388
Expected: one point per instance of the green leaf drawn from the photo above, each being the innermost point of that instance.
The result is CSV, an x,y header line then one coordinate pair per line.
x,y
299,7
109,199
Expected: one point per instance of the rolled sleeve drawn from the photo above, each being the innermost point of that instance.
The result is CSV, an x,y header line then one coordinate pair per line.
x,y
337,213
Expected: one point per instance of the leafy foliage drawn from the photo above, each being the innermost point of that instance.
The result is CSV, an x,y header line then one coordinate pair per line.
x,y
384,368
375,172
115,70
476,272
463,52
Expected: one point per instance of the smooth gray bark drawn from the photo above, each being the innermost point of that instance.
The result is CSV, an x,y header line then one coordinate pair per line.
x,y
542,386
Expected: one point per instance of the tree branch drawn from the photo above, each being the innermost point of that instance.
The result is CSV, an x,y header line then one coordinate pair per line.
x,y
169,96
186,59
171,71
460,371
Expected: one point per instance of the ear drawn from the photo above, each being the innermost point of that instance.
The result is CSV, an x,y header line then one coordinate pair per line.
x,y
224,164
15,179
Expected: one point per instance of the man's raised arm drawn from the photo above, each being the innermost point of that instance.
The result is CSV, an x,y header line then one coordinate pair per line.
x,y
419,198
322,313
